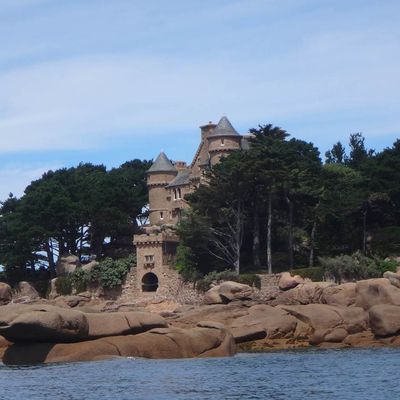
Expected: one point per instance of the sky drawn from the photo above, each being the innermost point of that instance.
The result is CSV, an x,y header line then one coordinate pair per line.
x,y
108,81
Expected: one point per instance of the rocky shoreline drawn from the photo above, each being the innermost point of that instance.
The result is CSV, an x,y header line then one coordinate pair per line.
x,y
231,319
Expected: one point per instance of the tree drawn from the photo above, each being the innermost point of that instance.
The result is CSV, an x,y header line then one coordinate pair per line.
x,y
336,155
84,210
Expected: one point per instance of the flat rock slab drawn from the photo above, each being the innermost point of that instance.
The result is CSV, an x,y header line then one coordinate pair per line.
x,y
45,323
206,340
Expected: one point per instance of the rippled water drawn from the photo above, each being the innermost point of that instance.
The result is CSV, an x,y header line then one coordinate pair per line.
x,y
308,374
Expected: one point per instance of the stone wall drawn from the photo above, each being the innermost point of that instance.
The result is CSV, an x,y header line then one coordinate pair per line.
x,y
175,289
172,289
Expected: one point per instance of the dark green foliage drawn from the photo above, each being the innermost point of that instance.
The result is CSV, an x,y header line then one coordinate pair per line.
x,y
43,287
111,273
387,265
73,211
249,279
80,279
386,241
316,274
214,277
64,285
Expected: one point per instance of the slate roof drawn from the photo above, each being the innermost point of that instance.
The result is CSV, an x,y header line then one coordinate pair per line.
x,y
162,164
183,178
224,128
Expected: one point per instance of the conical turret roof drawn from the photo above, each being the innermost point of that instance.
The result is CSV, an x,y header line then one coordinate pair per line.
x,y
162,164
224,128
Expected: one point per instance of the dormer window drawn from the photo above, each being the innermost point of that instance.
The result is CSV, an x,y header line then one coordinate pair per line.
x,y
222,141
177,194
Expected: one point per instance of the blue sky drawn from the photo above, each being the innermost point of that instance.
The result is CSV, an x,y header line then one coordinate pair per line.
x,y
108,81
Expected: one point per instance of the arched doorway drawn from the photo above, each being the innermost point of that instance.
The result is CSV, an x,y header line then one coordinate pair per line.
x,y
149,282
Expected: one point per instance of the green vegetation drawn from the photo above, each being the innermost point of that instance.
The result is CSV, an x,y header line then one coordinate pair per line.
x,y
111,273
64,285
85,211
277,205
274,206
316,274
355,267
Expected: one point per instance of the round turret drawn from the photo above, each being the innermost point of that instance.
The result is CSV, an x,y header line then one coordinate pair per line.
x,y
159,175
223,140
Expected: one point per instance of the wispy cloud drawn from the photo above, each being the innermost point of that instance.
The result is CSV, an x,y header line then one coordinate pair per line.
x,y
131,69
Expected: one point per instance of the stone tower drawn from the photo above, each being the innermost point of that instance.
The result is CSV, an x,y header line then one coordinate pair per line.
x,y
222,140
160,174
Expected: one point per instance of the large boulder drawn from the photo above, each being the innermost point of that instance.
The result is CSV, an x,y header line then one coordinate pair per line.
x,y
287,281
5,293
372,292
67,265
45,323
307,293
330,323
394,278
206,340
384,319
188,317
340,295
26,289
227,292
263,321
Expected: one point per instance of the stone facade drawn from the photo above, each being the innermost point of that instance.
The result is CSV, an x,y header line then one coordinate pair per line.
x,y
168,183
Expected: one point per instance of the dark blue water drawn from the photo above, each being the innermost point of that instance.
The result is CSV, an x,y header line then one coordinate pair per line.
x,y
309,374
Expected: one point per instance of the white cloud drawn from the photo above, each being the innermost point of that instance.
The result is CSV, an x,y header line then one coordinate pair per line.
x,y
79,102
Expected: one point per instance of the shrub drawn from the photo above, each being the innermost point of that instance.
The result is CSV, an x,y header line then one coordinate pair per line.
x,y
111,273
64,285
316,274
350,268
250,279
387,265
80,279
204,284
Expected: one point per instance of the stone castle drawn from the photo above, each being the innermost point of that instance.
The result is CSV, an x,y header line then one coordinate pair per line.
x,y
168,182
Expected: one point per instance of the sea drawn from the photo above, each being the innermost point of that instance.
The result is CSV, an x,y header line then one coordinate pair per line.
x,y
302,374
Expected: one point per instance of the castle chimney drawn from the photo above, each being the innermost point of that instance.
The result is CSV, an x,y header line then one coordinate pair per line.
x,y
179,165
206,130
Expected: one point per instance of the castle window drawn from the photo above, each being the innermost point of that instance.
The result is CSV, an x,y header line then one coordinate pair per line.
x,y
161,215
179,193
175,194
222,142
149,258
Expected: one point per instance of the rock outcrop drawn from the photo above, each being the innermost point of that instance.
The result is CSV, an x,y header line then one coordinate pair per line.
x,y
67,265
372,292
287,281
227,292
208,339
5,293
26,290
307,293
44,323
